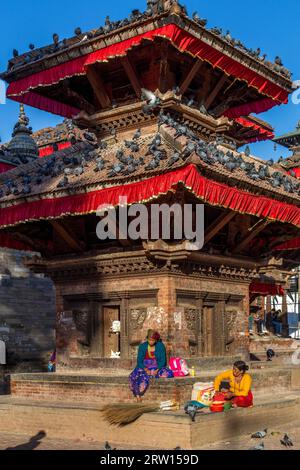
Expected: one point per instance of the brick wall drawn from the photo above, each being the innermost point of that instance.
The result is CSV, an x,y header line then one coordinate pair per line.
x,y
94,389
160,312
27,310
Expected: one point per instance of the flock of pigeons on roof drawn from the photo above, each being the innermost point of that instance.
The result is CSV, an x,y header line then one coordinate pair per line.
x,y
76,161
135,16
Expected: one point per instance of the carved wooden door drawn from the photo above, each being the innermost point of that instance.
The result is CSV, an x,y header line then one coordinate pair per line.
x,y
111,341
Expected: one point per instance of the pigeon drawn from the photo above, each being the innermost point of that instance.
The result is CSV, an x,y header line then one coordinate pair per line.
x,y
78,31
63,182
157,140
203,109
231,166
116,169
261,446
286,441
260,434
137,134
15,53
108,446
270,354
247,151
55,38
151,98
228,37
174,159
176,90
78,171
31,47
152,165
217,31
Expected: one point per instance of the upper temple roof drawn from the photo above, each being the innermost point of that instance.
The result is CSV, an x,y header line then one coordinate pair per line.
x,y
37,59
159,50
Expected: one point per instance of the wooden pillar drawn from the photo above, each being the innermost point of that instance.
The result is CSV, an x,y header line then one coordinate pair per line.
x,y
199,304
96,328
268,312
124,316
285,322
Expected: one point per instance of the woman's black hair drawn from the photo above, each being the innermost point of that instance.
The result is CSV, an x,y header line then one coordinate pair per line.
x,y
241,365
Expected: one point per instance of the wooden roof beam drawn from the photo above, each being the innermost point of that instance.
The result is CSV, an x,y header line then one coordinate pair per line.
x,y
218,225
213,94
33,243
82,102
98,87
191,75
131,73
68,236
253,232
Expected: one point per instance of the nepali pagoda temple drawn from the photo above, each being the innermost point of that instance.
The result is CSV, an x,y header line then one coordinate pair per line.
x,y
156,108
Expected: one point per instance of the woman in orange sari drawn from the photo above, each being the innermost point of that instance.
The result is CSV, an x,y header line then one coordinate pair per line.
x,y
239,385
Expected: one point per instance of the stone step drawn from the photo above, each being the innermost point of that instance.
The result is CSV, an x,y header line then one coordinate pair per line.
x,y
84,422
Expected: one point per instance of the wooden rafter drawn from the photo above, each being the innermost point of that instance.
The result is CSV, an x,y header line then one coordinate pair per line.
x,y
218,225
68,236
213,94
192,73
33,243
253,232
82,102
205,86
132,75
98,86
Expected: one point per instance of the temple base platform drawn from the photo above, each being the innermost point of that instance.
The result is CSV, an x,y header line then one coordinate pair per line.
x,y
111,388
83,422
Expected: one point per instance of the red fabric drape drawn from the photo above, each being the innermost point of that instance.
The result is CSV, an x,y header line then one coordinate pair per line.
x,y
208,191
290,245
21,90
255,107
266,289
263,134
7,242
297,172
49,150
4,167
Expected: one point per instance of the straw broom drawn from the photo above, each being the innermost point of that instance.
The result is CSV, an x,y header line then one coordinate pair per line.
x,y
122,414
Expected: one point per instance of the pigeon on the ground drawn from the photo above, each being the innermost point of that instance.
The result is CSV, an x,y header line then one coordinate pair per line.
x,y
261,446
260,434
286,441
270,354
108,446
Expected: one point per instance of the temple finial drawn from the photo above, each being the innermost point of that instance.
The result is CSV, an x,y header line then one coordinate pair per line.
x,y
23,119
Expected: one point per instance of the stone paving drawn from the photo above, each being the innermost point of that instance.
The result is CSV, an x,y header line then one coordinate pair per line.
x,y
271,442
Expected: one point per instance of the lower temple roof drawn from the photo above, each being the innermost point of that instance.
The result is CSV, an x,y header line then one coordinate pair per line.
x,y
159,158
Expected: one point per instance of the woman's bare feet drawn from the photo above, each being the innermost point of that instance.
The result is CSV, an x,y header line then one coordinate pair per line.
x,y
139,399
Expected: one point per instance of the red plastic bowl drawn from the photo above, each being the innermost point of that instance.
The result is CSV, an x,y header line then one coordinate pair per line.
x,y
217,408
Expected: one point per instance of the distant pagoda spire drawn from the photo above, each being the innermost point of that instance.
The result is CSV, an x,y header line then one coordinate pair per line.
x,y
22,148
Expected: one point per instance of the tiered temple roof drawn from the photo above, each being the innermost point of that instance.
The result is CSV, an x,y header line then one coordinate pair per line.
x,y
160,105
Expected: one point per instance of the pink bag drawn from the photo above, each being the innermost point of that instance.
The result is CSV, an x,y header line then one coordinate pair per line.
x,y
179,367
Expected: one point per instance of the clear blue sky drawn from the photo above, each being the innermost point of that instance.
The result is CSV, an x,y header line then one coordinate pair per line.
x,y
272,25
